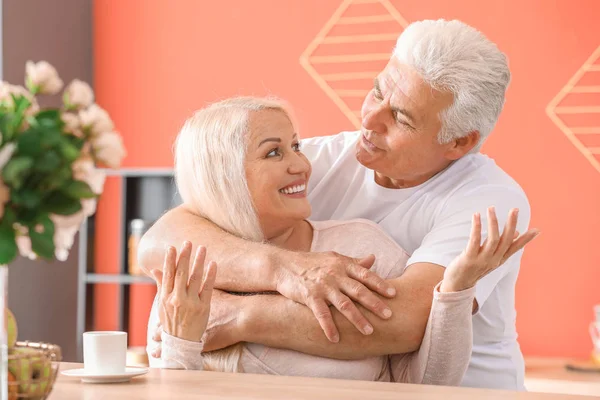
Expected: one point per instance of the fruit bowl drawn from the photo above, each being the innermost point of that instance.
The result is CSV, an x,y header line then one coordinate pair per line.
x,y
32,368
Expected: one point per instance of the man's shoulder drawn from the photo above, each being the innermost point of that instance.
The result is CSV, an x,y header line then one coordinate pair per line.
x,y
479,172
338,141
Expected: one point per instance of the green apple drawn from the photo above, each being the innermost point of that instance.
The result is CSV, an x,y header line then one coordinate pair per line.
x,y
33,372
11,329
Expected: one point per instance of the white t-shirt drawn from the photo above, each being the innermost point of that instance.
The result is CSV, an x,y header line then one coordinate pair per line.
x,y
432,222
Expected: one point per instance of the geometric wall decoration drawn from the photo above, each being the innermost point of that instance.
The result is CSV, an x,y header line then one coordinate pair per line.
x,y
576,109
351,49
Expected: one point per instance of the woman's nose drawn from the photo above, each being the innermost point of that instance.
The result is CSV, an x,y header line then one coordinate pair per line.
x,y
298,164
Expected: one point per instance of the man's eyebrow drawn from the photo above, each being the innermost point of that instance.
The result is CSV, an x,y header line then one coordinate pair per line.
x,y
402,111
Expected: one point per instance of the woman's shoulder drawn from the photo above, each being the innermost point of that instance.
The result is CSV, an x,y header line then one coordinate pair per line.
x,y
355,235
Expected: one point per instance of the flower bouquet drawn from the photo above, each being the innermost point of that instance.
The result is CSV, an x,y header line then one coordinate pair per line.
x,y
49,174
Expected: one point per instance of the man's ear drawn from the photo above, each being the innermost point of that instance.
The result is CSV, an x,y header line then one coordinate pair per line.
x,y
461,146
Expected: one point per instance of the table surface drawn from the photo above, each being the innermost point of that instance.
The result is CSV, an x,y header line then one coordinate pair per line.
x,y
178,384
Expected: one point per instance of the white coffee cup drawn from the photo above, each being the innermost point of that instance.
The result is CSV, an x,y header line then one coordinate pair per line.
x,y
104,352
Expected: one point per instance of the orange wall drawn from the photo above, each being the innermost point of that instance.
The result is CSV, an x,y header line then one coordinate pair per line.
x,y
156,61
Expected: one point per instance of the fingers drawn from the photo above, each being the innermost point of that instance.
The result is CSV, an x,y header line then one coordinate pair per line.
x,y
183,268
493,235
475,238
156,353
520,242
366,262
197,271
509,232
323,315
209,282
371,280
156,336
168,274
157,276
349,310
359,293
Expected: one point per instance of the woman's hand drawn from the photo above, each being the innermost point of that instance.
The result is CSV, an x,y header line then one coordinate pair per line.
x,y
184,297
479,260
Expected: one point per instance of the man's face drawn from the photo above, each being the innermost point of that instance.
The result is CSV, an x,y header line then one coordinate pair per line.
x,y
400,126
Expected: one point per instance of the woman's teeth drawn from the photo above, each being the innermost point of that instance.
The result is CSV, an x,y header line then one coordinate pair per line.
x,y
293,189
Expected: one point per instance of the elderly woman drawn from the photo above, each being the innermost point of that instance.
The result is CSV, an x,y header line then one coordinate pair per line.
x,y
239,163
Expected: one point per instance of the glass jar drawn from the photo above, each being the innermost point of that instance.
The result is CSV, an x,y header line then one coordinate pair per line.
x,y
137,228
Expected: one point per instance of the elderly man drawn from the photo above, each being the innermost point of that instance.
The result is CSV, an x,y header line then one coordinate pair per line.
x,y
415,169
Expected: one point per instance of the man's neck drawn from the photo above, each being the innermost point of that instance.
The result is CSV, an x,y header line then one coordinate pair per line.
x,y
392,183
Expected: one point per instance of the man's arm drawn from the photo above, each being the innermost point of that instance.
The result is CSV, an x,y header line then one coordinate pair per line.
x,y
313,279
290,325
243,265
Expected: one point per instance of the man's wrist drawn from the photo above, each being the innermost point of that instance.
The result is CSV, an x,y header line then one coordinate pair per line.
x,y
248,321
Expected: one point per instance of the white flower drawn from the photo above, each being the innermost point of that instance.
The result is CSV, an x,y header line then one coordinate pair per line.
x,y
4,196
65,229
84,170
108,148
96,120
6,92
72,123
88,206
24,245
78,95
6,153
42,78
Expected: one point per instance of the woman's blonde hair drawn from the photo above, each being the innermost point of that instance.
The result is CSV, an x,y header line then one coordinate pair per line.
x,y
210,153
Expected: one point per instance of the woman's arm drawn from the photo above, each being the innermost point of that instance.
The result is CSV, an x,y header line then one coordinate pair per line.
x,y
312,279
445,352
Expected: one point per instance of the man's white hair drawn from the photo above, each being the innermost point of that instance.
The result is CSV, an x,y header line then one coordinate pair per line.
x,y
210,155
454,57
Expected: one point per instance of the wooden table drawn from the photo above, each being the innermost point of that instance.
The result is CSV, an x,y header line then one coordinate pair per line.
x,y
550,375
172,384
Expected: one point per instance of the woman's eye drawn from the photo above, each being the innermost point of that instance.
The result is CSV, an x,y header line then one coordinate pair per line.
x,y
273,153
296,146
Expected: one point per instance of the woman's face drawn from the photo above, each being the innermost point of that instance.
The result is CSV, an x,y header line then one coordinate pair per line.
x,y
277,172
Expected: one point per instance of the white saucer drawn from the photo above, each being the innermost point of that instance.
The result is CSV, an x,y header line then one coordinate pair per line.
x,y
86,377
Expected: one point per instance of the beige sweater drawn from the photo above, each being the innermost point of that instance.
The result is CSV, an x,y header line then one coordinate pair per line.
x,y
442,358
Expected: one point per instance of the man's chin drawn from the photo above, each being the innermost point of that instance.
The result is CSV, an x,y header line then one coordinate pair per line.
x,y
363,157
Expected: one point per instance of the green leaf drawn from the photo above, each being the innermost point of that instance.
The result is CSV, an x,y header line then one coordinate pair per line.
x,y
50,137
52,114
69,151
61,204
48,162
26,198
21,105
29,143
9,217
58,178
16,170
78,190
8,244
43,243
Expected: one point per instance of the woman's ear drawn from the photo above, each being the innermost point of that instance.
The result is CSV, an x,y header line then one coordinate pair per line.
x,y
461,146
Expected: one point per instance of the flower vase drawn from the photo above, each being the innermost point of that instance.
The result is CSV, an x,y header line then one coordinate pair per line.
x,y
3,332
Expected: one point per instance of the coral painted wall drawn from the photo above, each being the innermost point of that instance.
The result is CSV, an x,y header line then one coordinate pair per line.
x,y
156,61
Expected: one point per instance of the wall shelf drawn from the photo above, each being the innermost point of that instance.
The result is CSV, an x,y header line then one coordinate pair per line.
x,y
144,194
123,279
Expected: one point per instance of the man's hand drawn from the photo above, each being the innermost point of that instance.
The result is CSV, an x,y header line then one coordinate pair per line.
x,y
322,279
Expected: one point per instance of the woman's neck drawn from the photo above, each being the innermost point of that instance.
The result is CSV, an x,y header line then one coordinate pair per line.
x,y
295,238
